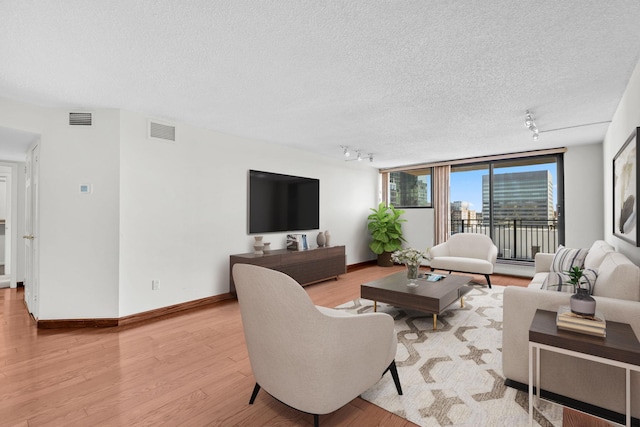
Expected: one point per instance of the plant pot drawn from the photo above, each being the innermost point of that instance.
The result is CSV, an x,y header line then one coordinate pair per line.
x,y
582,303
384,259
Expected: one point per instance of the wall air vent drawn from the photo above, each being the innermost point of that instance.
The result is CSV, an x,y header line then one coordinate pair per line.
x,y
162,131
80,119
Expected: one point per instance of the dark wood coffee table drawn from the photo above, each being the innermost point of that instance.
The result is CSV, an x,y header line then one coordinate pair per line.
x,y
432,297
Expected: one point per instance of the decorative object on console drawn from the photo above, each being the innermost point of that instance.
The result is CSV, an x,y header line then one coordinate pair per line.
x,y
412,259
385,227
321,240
327,238
297,242
626,221
258,245
267,247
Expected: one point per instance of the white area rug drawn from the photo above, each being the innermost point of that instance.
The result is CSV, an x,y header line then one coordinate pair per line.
x,y
453,376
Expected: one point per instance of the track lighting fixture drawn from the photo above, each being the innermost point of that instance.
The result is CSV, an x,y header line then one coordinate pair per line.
x,y
346,152
530,123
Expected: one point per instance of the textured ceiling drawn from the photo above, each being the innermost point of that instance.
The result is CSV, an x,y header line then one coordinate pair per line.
x,y
410,81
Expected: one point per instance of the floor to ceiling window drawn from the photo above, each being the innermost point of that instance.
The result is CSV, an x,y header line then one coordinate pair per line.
x,y
518,203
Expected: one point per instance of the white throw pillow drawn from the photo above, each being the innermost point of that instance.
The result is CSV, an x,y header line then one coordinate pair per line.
x,y
560,281
565,259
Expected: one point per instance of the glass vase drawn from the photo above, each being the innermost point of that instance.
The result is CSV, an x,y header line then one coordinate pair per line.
x,y
412,274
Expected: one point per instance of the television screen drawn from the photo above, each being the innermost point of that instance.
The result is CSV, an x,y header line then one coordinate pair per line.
x,y
282,202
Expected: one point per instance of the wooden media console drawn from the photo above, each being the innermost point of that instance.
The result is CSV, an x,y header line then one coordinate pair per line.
x,y
306,267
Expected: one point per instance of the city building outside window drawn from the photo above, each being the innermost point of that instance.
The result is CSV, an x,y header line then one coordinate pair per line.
x,y
410,189
515,202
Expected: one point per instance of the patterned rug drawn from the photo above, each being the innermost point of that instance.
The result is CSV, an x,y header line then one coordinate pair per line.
x,y
453,376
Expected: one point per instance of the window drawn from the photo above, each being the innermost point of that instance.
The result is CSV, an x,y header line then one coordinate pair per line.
x,y
516,202
411,189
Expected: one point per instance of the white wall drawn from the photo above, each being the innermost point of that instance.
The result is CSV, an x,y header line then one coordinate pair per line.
x,y
418,230
3,199
184,209
171,212
78,233
583,195
625,121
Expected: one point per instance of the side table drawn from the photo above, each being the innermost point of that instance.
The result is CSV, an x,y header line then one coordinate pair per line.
x,y
619,348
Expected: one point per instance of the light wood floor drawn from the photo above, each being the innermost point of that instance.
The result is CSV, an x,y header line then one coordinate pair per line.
x,y
186,369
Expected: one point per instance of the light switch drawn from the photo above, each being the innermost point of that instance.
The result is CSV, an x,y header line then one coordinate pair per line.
x,y
85,188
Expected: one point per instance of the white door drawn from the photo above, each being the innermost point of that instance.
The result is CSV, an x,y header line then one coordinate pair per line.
x,y
31,232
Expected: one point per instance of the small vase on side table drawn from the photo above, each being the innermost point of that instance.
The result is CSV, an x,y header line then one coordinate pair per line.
x,y
582,303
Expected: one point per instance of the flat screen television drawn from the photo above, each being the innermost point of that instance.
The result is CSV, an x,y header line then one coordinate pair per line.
x,y
282,202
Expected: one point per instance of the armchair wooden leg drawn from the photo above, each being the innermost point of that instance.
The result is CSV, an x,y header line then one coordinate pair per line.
x,y
394,375
488,280
256,389
316,420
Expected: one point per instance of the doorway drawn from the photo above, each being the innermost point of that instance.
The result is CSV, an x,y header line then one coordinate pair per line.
x,y
15,146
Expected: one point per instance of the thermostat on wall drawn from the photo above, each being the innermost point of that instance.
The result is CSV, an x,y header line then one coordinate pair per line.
x,y
85,188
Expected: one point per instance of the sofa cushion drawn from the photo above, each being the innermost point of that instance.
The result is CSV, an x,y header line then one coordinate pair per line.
x,y
618,278
454,263
567,258
560,281
537,281
596,254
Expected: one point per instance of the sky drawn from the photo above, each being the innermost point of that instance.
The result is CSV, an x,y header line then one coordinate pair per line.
x,y
467,186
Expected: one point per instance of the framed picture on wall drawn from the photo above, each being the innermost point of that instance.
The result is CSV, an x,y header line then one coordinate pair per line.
x,y
625,190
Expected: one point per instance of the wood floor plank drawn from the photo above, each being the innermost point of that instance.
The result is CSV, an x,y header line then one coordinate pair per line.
x,y
188,368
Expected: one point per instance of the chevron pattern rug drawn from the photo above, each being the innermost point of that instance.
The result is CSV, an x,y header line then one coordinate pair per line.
x,y
453,376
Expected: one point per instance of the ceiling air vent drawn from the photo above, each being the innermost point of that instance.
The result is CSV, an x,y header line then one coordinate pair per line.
x,y
80,119
162,132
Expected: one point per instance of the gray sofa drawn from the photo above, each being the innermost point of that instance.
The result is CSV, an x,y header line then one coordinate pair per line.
x,y
617,292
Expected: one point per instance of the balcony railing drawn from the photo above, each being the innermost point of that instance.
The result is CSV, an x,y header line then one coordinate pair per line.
x,y
518,240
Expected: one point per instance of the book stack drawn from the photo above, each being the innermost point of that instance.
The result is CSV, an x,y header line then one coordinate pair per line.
x,y
591,325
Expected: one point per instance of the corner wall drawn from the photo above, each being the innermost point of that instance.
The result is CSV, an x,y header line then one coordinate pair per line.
x,y
625,120
583,195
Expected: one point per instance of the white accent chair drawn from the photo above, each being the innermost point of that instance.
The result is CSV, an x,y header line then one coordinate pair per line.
x,y
311,358
466,253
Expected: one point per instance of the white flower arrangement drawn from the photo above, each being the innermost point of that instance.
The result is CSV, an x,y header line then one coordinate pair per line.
x,y
410,256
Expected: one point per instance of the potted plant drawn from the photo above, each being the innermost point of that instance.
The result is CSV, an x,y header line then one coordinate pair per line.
x,y
385,226
581,302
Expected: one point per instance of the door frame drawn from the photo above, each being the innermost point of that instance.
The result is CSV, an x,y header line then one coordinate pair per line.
x,y
11,173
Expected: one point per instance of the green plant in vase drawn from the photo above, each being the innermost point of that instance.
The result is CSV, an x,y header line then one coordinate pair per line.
x,y
385,226
581,302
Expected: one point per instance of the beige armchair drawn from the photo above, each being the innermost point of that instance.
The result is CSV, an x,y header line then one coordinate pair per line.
x,y
466,253
311,358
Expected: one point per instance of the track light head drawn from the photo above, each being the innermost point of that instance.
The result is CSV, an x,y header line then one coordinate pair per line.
x,y
530,123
